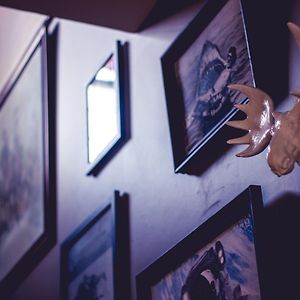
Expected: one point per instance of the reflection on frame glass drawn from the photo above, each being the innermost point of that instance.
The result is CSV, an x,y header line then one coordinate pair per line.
x,y
211,53
219,260
103,121
93,258
27,196
105,110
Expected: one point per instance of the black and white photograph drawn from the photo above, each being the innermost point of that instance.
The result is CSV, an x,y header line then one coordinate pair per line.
x,y
90,263
21,192
92,257
198,67
27,228
88,260
224,269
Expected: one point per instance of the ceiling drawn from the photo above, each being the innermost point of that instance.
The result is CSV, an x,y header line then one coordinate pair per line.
x,y
126,15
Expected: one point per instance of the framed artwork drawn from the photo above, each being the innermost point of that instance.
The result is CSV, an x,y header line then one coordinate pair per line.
x,y
105,103
218,260
27,163
209,54
95,258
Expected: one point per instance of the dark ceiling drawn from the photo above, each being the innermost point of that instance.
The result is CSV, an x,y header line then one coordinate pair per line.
x,y
127,15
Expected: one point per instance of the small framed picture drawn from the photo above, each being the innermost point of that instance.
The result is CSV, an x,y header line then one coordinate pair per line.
x,y
27,162
209,54
95,257
105,107
218,260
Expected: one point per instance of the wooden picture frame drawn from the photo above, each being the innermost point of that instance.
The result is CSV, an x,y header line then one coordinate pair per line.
x,y
221,256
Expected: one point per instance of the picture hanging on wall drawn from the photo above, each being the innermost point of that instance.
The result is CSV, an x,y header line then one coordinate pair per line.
x,y
218,260
106,96
209,54
95,257
27,163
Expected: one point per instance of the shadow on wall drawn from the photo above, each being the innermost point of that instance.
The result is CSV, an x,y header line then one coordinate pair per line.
x,y
281,254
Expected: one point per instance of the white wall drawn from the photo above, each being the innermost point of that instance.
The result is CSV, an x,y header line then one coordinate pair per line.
x,y
16,30
164,207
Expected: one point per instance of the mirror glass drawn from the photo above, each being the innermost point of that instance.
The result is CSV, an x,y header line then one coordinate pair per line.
x,y
102,111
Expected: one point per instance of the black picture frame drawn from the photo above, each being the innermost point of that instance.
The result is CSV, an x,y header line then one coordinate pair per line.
x,y
235,230
225,43
100,244
27,161
100,157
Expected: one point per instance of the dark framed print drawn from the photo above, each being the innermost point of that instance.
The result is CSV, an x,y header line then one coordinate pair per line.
x,y
218,260
209,54
105,102
94,259
27,163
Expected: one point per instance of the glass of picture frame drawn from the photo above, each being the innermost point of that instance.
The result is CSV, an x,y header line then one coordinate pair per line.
x,y
105,107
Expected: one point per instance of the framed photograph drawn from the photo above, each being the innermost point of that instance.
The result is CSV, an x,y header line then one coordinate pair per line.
x,y
209,54
218,260
27,163
105,103
95,258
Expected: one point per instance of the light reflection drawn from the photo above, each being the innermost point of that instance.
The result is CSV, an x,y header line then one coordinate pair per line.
x,y
103,121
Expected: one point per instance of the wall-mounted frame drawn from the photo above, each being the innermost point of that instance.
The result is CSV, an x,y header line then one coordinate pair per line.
x,y
27,162
208,55
220,259
95,257
105,103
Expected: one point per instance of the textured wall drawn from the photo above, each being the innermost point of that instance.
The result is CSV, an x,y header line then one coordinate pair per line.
x,y
164,207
